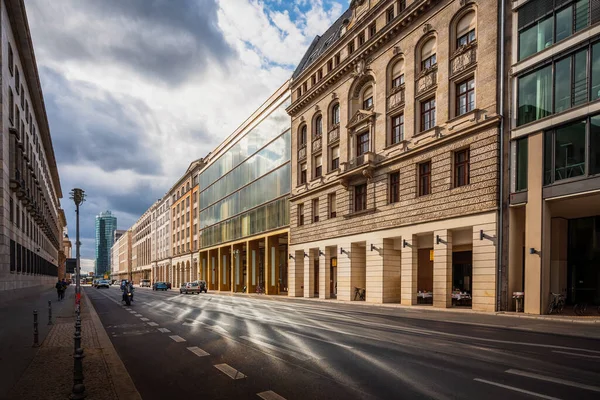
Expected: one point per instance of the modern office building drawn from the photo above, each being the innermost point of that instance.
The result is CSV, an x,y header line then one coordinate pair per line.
x,y
106,225
554,244
31,225
244,203
395,144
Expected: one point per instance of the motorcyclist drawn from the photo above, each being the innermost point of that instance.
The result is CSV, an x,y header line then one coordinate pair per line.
x,y
127,287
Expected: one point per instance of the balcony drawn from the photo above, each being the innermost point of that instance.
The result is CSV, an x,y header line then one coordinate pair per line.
x,y
396,99
463,58
427,80
334,134
302,152
361,165
15,181
317,144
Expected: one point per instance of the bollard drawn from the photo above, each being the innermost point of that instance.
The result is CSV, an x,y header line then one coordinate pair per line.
x,y
49,312
78,391
35,329
77,336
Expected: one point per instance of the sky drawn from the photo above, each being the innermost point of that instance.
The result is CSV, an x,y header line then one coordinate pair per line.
x,y
135,90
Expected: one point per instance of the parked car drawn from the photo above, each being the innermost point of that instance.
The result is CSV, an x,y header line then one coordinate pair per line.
x,y
202,285
103,284
160,286
189,287
145,283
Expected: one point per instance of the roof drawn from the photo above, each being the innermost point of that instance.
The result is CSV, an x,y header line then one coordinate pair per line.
x,y
322,43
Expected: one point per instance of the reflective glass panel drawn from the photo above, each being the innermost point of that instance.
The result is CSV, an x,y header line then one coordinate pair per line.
x,y
569,151
580,81
564,23
522,147
535,95
596,71
536,38
562,85
595,145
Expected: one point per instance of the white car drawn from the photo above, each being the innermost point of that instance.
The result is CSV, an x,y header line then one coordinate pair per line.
x,y
145,283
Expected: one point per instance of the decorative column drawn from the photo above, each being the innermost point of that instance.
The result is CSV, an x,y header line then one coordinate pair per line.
x,y
442,268
409,270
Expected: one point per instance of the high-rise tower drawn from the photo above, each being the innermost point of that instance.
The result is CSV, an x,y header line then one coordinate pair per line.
x,y
106,225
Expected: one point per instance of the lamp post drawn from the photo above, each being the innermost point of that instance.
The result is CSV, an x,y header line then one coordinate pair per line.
x,y
78,196
78,392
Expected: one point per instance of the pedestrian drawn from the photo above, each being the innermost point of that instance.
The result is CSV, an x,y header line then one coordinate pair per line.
x,y
60,290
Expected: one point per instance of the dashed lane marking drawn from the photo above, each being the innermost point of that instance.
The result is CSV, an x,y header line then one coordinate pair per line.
x,y
515,389
144,319
152,323
553,380
163,330
270,395
137,315
178,339
198,351
230,371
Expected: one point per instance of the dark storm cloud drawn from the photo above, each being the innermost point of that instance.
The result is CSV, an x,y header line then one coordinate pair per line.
x,y
100,130
165,40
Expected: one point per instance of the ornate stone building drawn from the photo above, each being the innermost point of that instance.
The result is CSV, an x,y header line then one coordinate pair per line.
x,y
141,246
395,141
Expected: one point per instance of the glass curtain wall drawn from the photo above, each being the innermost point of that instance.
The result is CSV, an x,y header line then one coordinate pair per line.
x,y
246,190
545,22
557,87
572,151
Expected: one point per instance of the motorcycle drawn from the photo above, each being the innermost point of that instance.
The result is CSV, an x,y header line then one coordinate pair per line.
x,y
127,296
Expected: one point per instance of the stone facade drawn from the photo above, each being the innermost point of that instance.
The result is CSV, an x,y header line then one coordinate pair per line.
x,y
31,226
377,69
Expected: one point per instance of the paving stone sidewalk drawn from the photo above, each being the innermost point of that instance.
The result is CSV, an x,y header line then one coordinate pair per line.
x,y
50,374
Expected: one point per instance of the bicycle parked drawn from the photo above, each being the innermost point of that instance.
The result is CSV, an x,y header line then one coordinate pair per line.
x,y
557,303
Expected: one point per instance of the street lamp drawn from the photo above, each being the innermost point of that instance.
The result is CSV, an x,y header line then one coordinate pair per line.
x,y
78,196
78,392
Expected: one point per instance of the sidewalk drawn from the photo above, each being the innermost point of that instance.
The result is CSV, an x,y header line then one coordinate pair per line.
x,y
49,372
565,325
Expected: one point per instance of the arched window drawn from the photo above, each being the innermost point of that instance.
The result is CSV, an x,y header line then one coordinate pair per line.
x,y
428,56
318,126
367,98
465,29
398,74
302,136
335,114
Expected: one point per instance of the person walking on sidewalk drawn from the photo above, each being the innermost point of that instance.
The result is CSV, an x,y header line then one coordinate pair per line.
x,y
60,290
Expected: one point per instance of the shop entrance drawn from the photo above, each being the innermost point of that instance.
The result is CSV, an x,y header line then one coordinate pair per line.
x,y
316,276
333,277
462,278
583,261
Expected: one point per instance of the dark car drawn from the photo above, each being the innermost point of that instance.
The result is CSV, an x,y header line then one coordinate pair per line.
x,y
160,286
202,285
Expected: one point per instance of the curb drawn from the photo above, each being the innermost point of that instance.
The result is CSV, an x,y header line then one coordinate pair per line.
x,y
123,384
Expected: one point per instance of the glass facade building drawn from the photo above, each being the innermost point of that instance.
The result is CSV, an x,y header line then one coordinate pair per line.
x,y
106,225
245,190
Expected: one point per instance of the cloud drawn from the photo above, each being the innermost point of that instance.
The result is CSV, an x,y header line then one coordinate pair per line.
x,y
135,90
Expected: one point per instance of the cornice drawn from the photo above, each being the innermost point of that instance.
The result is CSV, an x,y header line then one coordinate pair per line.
x,y
384,36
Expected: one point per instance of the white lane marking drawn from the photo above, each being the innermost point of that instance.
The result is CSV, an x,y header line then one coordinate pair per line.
x,y
163,330
144,319
553,380
261,343
133,312
575,354
198,351
152,323
128,309
230,371
178,339
270,395
319,339
542,396
137,315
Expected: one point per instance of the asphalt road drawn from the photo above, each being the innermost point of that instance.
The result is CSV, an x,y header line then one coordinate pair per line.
x,y
230,347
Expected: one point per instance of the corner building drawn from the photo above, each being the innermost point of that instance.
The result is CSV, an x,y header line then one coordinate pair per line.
x,y
555,152
395,145
244,204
